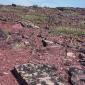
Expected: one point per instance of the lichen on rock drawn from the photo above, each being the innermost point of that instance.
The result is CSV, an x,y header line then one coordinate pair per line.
x,y
39,74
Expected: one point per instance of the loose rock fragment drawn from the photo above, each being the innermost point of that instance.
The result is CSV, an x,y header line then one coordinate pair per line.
x,y
5,73
50,42
71,54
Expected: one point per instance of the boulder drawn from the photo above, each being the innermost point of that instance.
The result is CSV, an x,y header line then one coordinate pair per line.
x,y
77,76
38,74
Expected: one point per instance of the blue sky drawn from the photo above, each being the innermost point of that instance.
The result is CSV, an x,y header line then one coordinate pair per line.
x,y
50,3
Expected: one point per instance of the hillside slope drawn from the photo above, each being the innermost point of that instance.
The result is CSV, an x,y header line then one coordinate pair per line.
x,y
54,36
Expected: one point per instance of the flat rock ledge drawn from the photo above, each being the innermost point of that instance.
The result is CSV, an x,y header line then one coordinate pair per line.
x,y
37,74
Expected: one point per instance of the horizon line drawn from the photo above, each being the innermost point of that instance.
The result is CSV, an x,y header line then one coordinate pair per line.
x,y
39,6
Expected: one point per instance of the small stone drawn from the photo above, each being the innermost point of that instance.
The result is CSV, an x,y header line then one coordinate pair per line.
x,y
71,54
59,83
5,73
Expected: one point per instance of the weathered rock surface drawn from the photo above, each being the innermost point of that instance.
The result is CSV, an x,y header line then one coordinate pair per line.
x,y
2,35
77,76
39,74
82,59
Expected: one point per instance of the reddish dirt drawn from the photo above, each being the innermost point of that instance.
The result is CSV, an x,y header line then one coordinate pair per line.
x,y
8,26
8,59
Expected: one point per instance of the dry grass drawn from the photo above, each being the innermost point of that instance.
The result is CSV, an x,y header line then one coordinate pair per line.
x,y
68,30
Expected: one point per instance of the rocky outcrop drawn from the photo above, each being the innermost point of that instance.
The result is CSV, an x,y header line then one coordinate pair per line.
x,y
38,74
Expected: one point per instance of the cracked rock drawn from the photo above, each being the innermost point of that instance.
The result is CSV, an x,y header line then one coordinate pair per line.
x,y
77,76
38,74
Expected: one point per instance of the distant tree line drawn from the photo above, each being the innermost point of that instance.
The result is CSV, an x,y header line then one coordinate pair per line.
x,y
14,5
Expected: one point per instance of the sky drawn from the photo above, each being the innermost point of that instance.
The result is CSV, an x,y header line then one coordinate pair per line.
x,y
46,3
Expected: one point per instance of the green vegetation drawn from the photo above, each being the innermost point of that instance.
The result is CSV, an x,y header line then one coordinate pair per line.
x,y
35,6
67,30
10,9
61,8
35,18
82,24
